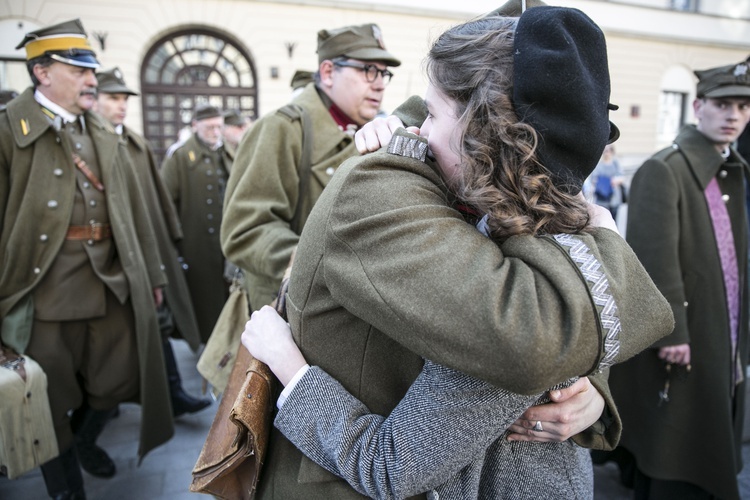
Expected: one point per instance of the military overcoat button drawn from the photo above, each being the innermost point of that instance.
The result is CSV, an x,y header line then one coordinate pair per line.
x,y
92,203
43,237
330,171
52,204
725,197
723,174
58,172
37,270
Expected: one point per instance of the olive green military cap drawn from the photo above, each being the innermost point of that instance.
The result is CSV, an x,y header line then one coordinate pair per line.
x,y
112,82
65,42
234,117
206,111
363,42
514,8
301,78
725,81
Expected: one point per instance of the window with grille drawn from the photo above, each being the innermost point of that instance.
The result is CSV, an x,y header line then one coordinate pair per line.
x,y
188,68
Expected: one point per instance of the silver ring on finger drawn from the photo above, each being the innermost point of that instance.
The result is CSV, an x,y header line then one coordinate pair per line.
x,y
538,426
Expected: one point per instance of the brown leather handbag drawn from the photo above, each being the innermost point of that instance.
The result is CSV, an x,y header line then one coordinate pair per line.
x,y
231,459
232,456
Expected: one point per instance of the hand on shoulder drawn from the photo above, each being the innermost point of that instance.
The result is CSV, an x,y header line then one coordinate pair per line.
x,y
378,132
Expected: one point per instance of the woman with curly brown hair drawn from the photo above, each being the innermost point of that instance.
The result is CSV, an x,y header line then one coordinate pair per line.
x,y
517,179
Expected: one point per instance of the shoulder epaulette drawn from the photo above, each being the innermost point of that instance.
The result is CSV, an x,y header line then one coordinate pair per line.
x,y
291,111
407,145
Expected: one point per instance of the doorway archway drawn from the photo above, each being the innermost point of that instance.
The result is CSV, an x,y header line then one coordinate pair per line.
x,y
190,67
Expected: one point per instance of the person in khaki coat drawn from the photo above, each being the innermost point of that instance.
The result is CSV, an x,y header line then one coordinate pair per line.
x,y
176,316
264,210
195,176
78,250
687,222
448,433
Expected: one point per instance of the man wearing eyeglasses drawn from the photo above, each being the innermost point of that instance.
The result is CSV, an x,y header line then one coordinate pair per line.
x,y
286,160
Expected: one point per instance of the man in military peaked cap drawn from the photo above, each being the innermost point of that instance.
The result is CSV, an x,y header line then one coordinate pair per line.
x,y
289,155
196,176
176,315
687,224
81,272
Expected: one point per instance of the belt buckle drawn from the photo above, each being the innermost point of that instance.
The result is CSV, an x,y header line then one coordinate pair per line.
x,y
97,230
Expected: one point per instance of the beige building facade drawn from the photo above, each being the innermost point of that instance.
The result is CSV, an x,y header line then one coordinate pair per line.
x,y
243,53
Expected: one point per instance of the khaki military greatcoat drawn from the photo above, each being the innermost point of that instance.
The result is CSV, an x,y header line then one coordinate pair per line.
x,y
196,179
168,231
263,191
697,436
37,190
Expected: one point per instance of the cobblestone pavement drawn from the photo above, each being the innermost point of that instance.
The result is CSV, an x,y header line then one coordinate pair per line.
x,y
165,472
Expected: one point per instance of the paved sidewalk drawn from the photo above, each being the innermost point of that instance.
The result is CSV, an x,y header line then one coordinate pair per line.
x,y
165,472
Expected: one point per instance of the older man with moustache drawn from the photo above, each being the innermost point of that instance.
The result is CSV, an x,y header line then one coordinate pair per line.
x,y
81,272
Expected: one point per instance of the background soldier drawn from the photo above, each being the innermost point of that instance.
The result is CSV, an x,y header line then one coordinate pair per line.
x,y
682,403
80,270
196,176
176,314
235,127
276,181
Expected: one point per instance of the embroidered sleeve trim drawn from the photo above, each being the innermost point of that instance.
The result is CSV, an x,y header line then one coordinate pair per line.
x,y
598,285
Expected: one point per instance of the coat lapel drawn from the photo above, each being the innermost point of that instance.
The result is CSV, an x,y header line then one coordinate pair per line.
x,y
26,119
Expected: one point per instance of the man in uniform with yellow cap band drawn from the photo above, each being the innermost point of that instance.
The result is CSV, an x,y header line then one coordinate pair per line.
x,y
81,271
274,183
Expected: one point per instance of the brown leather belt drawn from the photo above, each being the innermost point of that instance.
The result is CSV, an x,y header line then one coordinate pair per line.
x,y
95,232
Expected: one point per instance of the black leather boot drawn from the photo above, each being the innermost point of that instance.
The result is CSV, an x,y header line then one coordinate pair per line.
x,y
63,478
182,402
87,425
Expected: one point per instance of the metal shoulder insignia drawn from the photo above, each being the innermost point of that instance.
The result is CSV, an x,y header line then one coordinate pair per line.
x,y
408,145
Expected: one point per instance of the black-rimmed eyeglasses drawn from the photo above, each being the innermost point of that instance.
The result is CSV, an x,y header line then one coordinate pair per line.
x,y
370,70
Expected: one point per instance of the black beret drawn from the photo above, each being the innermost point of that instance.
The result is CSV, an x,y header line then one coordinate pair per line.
x,y
561,88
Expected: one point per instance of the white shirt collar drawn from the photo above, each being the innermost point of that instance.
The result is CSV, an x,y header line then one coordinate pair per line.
x,y
66,115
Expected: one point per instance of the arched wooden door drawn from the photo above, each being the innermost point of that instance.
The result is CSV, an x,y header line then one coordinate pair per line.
x,y
191,67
